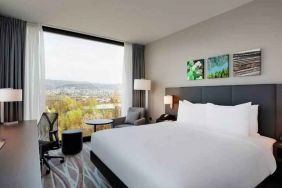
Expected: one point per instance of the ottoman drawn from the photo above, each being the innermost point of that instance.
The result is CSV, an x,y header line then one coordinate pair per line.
x,y
71,142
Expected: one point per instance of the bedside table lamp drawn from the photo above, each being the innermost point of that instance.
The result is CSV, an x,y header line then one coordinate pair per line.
x,y
8,95
168,99
142,84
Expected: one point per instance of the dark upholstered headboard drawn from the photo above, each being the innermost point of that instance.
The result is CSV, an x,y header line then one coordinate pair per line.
x,y
267,96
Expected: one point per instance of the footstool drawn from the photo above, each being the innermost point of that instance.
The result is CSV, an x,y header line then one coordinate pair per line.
x,y
71,142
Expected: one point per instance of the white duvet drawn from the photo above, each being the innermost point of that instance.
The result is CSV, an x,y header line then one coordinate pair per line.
x,y
170,155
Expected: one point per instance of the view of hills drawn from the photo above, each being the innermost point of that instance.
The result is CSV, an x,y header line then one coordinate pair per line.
x,y
56,84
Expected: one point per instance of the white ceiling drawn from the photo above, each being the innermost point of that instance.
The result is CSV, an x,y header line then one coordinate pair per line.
x,y
139,21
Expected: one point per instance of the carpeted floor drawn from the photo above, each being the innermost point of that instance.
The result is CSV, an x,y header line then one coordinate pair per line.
x,y
76,172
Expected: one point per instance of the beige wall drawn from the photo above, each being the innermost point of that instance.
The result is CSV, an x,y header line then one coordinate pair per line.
x,y
255,25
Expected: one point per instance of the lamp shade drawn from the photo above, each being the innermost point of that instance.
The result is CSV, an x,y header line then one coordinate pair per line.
x,y
10,95
168,99
142,84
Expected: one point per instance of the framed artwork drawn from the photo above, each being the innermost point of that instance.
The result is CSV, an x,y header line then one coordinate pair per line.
x,y
247,63
218,67
195,69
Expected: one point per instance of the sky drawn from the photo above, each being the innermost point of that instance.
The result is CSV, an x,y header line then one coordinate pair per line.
x,y
76,59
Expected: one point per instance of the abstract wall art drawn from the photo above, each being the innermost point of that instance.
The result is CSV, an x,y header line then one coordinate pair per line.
x,y
247,63
218,67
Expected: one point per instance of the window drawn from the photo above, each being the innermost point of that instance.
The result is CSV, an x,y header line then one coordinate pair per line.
x,y
83,79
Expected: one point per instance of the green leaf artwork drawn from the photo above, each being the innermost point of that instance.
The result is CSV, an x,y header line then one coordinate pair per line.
x,y
195,69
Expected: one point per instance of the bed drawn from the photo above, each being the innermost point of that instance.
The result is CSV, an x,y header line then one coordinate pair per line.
x,y
168,155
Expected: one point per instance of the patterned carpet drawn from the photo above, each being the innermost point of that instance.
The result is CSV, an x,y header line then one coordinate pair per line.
x,y
76,172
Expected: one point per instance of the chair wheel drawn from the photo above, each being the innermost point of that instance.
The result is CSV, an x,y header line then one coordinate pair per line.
x,y
48,171
62,161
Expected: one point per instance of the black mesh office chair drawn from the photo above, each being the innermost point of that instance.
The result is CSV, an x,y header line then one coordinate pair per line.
x,y
48,138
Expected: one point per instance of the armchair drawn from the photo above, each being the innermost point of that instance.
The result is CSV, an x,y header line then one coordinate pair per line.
x,y
139,118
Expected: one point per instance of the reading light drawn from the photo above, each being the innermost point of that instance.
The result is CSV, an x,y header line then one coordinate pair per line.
x,y
168,99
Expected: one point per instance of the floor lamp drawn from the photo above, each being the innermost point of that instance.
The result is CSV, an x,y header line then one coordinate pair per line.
x,y
8,95
142,84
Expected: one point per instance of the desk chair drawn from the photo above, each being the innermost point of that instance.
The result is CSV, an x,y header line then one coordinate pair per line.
x,y
48,138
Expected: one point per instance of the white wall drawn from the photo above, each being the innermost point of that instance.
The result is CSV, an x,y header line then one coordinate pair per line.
x,y
255,25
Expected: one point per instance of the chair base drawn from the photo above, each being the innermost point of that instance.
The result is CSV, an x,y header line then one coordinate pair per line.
x,y
44,161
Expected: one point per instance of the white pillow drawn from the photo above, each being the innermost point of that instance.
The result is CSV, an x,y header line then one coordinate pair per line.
x,y
229,119
182,110
253,127
192,115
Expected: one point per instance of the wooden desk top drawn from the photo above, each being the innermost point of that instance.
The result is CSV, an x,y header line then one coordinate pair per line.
x,y
19,157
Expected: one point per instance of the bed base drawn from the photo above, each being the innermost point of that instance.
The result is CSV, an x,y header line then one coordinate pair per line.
x,y
106,172
116,182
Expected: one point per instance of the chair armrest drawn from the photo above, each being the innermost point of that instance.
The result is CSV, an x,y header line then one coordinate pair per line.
x,y
118,121
141,121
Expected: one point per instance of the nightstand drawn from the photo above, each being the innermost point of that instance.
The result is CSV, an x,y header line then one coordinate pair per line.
x,y
277,151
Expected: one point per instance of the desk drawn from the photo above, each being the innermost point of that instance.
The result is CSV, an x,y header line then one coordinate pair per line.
x,y
19,157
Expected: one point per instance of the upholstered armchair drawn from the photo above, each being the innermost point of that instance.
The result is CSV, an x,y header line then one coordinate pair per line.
x,y
135,116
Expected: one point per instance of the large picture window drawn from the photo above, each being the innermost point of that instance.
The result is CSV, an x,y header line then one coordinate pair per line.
x,y
83,79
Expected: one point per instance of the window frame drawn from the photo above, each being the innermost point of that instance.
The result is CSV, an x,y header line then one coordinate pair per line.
x,y
82,36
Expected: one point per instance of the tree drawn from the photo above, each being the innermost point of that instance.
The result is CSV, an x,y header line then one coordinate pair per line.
x,y
73,111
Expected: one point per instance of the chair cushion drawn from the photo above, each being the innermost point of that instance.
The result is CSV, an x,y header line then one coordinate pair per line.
x,y
138,109
45,146
131,117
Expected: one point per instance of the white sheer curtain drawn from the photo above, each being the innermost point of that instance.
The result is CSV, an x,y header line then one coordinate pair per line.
x,y
34,89
127,84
